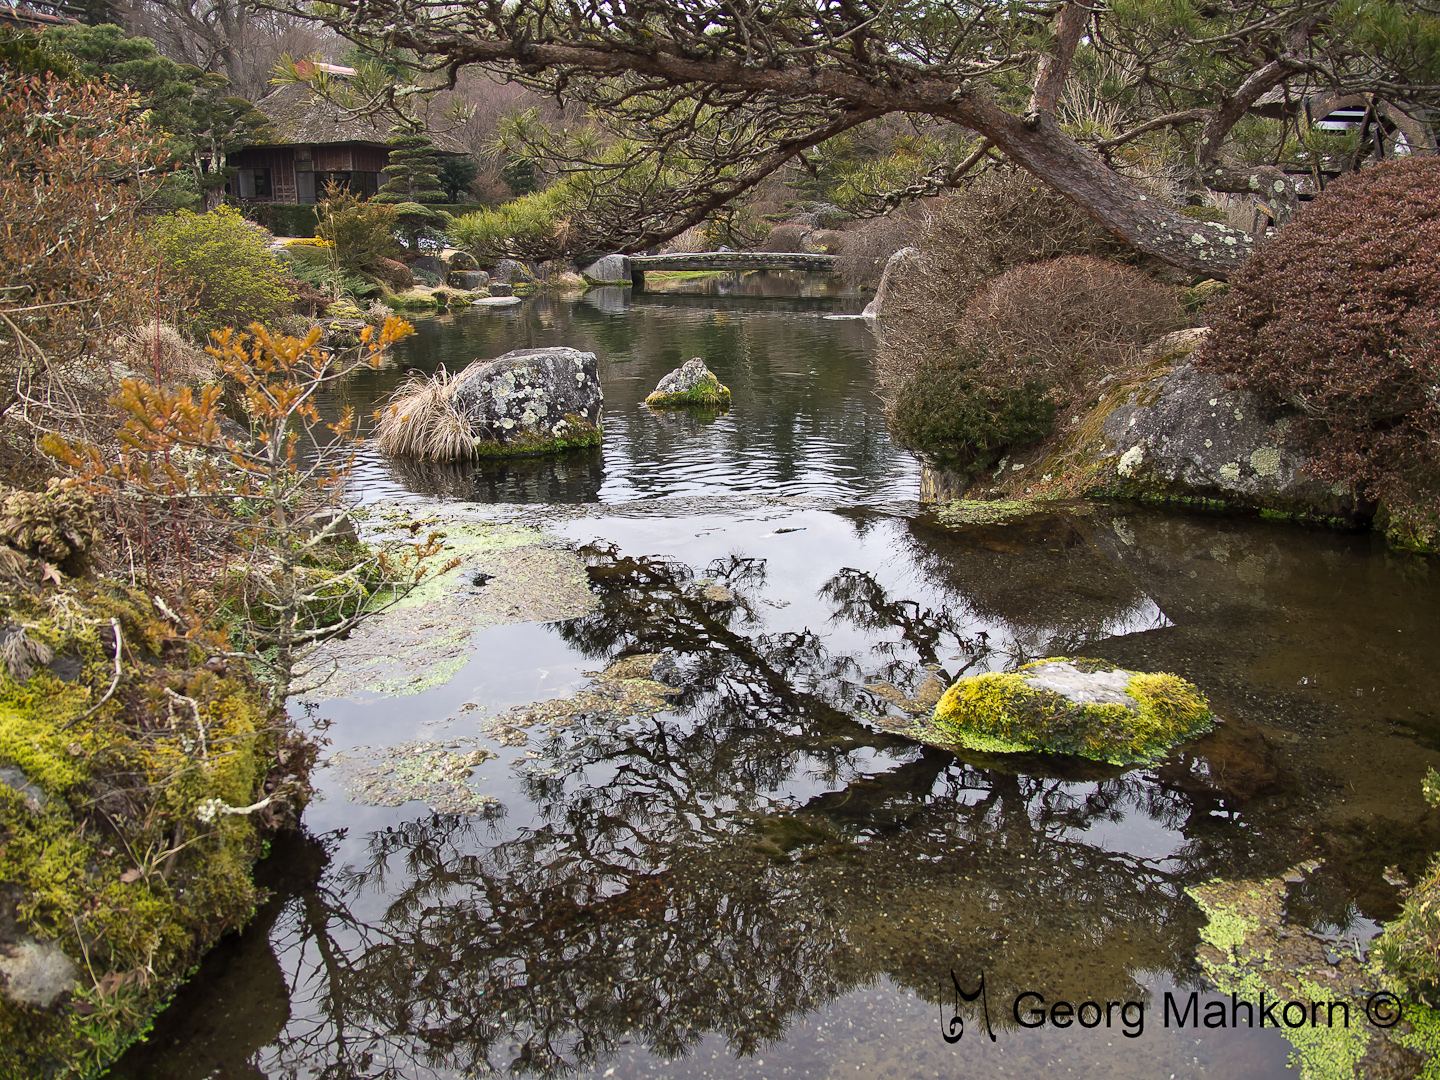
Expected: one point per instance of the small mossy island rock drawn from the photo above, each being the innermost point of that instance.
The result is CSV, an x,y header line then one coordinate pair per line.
x,y
690,384
1089,708
527,402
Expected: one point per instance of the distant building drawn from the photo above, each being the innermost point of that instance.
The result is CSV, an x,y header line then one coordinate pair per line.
x,y
316,142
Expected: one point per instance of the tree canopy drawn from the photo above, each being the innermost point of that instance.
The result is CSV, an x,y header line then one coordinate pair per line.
x,y
200,120
1077,92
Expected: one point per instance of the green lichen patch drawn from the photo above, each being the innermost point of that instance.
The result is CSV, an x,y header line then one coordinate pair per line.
x,y
433,773
1249,949
990,511
577,434
625,691
1134,717
703,396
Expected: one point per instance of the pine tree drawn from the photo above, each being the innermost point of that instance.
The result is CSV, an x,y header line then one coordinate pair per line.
x,y
414,187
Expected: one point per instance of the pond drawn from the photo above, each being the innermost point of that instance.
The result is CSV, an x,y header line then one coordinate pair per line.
x,y
753,877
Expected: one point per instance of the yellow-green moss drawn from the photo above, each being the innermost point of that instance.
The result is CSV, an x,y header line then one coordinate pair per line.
x,y
710,392
118,867
1000,712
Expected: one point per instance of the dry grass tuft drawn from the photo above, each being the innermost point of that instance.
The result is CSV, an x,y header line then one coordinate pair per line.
x,y
157,345
421,422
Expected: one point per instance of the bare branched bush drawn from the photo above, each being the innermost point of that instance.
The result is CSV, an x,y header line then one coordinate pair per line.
x,y
867,244
1067,322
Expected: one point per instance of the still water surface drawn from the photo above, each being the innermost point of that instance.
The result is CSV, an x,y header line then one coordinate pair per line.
x,y
759,881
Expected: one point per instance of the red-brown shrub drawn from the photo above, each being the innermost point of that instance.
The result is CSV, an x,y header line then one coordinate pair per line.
x,y
1339,317
1066,322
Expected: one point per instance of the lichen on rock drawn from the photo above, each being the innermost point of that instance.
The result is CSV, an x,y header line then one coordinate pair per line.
x,y
691,384
1089,708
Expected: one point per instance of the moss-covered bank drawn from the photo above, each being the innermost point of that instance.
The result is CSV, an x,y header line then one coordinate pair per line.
x,y
122,854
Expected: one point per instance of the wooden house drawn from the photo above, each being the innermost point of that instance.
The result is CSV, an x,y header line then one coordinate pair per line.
x,y
315,142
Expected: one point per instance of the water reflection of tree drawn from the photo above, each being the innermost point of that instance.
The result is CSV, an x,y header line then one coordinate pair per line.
x,y
673,884
1042,579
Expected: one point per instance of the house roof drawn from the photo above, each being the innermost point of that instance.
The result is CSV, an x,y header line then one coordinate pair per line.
x,y
298,116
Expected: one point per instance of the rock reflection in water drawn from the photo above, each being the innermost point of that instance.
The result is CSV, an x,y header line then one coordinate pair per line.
x,y
574,477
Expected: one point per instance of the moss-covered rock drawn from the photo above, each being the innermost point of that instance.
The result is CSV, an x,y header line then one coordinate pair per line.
x,y
131,812
1089,708
690,384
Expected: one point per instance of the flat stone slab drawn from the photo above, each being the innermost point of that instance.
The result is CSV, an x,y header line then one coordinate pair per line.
x,y
496,301
524,575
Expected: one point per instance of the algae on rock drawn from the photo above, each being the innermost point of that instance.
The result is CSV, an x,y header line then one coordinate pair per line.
x,y
690,384
1089,708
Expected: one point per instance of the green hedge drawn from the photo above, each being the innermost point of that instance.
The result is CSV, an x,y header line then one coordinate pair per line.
x,y
283,219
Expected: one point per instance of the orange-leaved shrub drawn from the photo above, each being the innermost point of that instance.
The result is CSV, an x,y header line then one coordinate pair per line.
x,y
1338,317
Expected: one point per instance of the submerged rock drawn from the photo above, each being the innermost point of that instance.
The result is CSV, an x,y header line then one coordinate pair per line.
x,y
1089,708
690,384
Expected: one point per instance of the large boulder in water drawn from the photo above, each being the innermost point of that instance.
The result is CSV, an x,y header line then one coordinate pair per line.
x,y
609,270
1089,708
530,401
690,384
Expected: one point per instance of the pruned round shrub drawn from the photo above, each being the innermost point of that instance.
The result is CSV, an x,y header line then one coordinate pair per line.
x,y
1338,317
1002,220
1066,323
964,420
788,237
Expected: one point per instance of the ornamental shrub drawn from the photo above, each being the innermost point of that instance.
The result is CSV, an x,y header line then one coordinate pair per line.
x,y
361,231
950,409
226,262
1338,318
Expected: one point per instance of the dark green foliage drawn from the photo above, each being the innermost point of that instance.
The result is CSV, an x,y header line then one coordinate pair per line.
x,y
27,53
201,121
521,175
1339,318
413,187
456,176
949,410
283,219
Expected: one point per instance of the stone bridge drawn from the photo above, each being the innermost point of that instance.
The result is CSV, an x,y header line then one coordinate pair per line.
x,y
724,261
